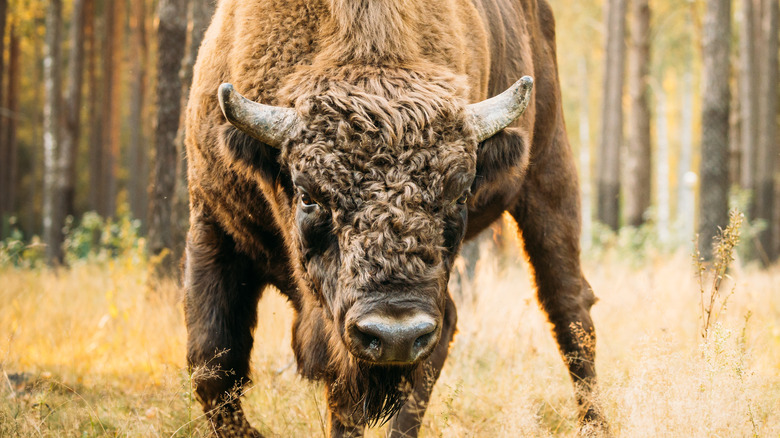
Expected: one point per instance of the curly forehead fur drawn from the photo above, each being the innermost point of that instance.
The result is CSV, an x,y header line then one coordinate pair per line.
x,y
380,147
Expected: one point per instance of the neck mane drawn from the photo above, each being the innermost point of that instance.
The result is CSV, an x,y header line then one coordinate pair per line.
x,y
375,32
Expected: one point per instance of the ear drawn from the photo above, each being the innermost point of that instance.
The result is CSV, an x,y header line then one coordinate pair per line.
x,y
502,159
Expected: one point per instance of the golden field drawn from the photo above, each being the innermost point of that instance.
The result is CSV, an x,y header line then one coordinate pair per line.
x,y
93,351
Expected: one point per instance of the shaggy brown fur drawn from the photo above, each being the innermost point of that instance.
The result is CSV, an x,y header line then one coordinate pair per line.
x,y
363,208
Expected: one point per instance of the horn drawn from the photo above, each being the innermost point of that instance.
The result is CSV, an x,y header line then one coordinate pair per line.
x,y
494,114
269,124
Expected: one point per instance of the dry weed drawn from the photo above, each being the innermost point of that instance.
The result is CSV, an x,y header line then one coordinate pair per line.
x,y
91,352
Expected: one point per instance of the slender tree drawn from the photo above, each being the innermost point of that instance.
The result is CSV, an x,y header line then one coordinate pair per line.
x,y
662,164
200,12
5,169
638,160
714,187
51,127
735,137
686,177
106,106
748,100
585,159
11,121
92,23
72,121
111,108
612,116
137,152
768,148
171,38
33,209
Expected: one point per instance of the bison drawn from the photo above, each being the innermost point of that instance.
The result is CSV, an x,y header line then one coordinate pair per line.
x,y
341,151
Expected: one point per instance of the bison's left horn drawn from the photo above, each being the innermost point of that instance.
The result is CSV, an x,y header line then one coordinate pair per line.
x,y
494,114
269,124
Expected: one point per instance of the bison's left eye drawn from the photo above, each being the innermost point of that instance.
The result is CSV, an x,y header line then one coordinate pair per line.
x,y
463,198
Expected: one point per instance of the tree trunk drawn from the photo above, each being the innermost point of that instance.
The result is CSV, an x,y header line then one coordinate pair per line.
x,y
71,131
171,38
585,160
5,170
686,177
662,166
137,151
612,116
91,30
34,222
768,145
735,140
639,155
52,231
714,188
9,127
112,81
107,71
748,101
200,12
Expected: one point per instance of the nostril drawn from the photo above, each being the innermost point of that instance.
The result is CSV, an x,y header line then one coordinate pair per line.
x,y
423,341
365,342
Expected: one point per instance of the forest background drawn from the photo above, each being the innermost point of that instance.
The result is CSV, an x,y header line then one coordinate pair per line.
x,y
672,113
91,93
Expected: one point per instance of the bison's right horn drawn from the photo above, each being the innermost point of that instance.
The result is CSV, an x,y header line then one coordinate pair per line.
x,y
494,114
269,124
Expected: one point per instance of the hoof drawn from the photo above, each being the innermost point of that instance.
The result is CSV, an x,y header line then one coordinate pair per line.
x,y
233,424
593,425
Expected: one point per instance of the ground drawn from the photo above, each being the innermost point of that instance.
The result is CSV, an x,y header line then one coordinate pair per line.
x,y
93,351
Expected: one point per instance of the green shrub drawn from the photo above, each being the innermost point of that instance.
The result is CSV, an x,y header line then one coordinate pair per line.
x,y
16,252
98,239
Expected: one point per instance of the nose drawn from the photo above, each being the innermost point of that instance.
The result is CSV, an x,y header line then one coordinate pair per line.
x,y
386,340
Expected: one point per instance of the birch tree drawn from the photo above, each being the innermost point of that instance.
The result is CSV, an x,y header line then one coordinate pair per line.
x,y
686,177
52,235
748,99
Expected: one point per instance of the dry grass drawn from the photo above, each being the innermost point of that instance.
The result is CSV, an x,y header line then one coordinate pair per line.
x,y
102,356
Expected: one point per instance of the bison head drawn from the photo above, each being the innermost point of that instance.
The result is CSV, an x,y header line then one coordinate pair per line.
x,y
382,167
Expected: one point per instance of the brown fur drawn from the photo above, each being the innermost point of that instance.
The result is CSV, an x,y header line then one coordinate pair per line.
x,y
385,151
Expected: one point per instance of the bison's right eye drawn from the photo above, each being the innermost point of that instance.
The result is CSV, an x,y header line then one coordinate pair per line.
x,y
308,204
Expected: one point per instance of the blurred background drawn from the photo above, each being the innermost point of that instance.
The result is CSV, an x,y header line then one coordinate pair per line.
x,y
671,108
672,114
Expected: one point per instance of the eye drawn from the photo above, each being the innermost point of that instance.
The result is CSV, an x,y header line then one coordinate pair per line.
x,y
306,199
463,198
307,203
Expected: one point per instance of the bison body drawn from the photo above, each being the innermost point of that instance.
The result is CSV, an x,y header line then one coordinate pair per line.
x,y
352,198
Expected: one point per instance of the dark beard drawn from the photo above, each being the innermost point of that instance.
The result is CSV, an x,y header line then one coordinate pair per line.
x,y
376,392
